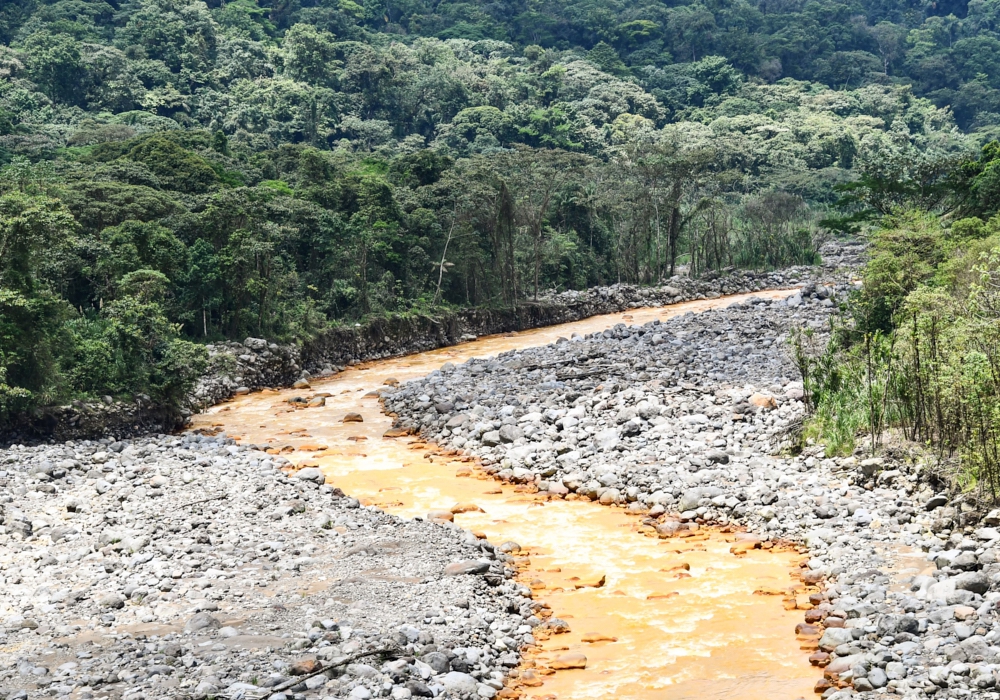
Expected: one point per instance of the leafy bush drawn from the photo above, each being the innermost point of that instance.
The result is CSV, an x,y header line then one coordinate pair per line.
x,y
920,351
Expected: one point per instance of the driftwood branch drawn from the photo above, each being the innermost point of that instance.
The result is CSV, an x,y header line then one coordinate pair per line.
x,y
566,361
585,373
323,669
204,500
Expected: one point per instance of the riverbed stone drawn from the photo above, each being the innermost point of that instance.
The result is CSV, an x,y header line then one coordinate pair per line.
x,y
460,568
877,678
314,474
207,567
491,438
973,581
834,637
456,682
202,621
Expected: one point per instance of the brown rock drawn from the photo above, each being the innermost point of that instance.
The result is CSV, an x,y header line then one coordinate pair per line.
x,y
598,583
528,678
964,612
466,508
353,418
814,616
741,548
310,447
680,567
770,591
819,658
440,515
594,637
569,661
303,667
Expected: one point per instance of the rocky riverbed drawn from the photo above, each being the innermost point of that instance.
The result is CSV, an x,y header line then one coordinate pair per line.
x,y
688,421
190,567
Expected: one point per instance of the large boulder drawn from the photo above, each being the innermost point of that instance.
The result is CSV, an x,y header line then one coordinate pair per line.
x,y
510,433
311,474
202,621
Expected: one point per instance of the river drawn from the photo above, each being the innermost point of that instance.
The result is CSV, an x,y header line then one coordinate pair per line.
x,y
671,619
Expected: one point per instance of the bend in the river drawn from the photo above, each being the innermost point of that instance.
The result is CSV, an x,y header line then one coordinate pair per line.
x,y
658,618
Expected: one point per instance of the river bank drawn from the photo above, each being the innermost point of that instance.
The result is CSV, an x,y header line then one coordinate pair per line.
x,y
687,422
237,368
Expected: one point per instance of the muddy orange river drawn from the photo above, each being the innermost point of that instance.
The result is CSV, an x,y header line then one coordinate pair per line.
x,y
674,618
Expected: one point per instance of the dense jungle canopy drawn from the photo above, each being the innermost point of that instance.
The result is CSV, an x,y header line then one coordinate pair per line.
x,y
176,171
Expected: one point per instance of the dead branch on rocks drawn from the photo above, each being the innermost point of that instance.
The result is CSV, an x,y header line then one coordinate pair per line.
x,y
388,651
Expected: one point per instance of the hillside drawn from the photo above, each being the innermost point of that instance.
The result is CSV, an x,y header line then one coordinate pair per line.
x,y
180,171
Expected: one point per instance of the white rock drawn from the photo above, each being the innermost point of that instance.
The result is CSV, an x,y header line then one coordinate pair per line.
x,y
457,682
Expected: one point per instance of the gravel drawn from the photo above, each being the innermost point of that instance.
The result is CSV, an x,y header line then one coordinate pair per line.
x,y
690,421
192,567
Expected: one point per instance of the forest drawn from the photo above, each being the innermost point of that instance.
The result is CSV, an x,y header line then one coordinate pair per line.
x,y
176,172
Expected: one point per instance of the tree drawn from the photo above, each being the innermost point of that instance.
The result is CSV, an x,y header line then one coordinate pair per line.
x,y
976,184
32,229
534,181
55,63
678,167
846,68
312,56
176,167
179,33
889,38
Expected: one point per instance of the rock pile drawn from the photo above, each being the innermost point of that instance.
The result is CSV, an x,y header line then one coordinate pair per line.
x,y
687,421
190,567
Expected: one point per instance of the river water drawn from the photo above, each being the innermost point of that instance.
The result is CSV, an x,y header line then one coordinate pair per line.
x,y
674,619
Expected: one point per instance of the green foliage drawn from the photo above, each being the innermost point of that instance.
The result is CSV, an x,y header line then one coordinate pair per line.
x,y
919,351
55,63
176,168
978,182
183,170
131,347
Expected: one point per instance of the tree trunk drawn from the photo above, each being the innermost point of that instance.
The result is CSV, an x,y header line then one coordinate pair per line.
x,y
444,253
673,233
674,222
